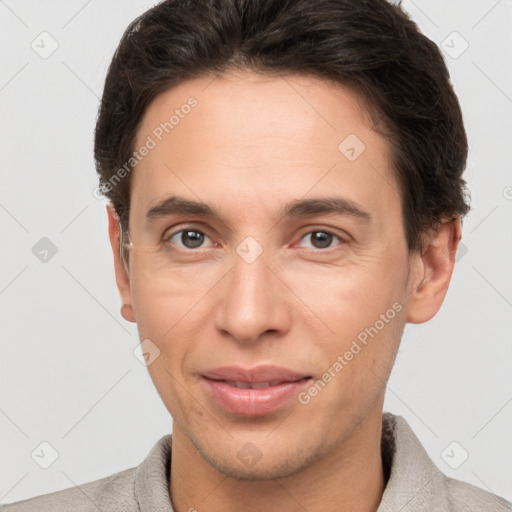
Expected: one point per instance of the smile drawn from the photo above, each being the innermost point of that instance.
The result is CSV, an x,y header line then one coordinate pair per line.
x,y
253,392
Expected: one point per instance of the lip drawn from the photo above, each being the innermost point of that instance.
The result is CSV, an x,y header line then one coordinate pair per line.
x,y
255,374
286,384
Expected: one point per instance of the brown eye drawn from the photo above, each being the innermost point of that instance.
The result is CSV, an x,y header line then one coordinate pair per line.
x,y
187,238
192,239
321,239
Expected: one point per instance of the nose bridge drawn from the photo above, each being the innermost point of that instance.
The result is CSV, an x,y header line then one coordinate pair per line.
x,y
251,302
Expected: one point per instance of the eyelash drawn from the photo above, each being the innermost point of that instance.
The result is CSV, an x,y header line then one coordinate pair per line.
x,y
167,239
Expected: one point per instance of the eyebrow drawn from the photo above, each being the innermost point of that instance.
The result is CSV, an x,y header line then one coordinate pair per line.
x,y
315,206
175,205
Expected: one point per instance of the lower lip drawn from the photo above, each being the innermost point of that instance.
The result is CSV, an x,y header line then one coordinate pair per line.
x,y
253,402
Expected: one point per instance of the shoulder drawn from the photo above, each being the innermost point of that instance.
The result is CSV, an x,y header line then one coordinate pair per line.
x,y
465,497
415,482
145,487
112,493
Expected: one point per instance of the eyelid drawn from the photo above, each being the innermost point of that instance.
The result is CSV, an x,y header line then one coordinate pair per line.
x,y
174,230
344,239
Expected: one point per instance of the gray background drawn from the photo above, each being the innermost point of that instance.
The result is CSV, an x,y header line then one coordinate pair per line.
x,y
68,374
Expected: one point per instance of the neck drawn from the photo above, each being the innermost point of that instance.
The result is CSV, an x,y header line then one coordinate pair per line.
x,y
348,478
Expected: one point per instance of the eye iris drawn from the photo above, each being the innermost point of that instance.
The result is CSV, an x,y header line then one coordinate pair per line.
x,y
321,240
194,237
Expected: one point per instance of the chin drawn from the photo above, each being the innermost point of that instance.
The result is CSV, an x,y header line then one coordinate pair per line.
x,y
269,466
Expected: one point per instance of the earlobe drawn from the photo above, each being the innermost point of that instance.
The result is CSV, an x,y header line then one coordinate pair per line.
x,y
127,312
433,270
121,271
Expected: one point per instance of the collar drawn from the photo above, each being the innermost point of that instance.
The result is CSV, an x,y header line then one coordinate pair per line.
x,y
413,481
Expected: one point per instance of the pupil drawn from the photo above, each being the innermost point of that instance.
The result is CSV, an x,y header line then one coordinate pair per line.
x,y
321,239
195,237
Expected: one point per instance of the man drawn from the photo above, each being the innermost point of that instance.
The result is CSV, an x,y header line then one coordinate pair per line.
x,y
286,192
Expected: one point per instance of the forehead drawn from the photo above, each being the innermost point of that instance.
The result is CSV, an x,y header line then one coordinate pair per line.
x,y
276,137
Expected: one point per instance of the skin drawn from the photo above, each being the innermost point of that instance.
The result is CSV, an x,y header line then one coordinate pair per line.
x,y
250,146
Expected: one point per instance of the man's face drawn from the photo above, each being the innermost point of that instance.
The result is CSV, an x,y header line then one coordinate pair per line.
x,y
257,287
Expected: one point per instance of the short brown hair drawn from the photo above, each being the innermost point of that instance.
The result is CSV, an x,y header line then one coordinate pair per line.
x,y
371,46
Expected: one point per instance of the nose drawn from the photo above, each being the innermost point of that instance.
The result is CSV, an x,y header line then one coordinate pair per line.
x,y
252,302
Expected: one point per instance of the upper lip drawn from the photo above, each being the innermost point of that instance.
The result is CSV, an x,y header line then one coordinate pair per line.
x,y
255,374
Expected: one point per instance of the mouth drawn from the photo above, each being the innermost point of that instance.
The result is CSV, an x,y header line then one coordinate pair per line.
x,y
253,392
253,385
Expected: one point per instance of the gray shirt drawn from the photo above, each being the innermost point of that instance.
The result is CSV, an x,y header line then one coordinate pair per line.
x,y
414,485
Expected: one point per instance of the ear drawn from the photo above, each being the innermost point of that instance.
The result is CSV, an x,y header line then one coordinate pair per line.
x,y
122,275
432,271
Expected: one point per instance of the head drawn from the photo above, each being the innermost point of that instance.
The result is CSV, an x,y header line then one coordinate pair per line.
x,y
285,187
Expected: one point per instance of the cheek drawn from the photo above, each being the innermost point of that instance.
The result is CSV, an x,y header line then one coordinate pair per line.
x,y
167,300
363,308
168,320
349,297
356,366
171,311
